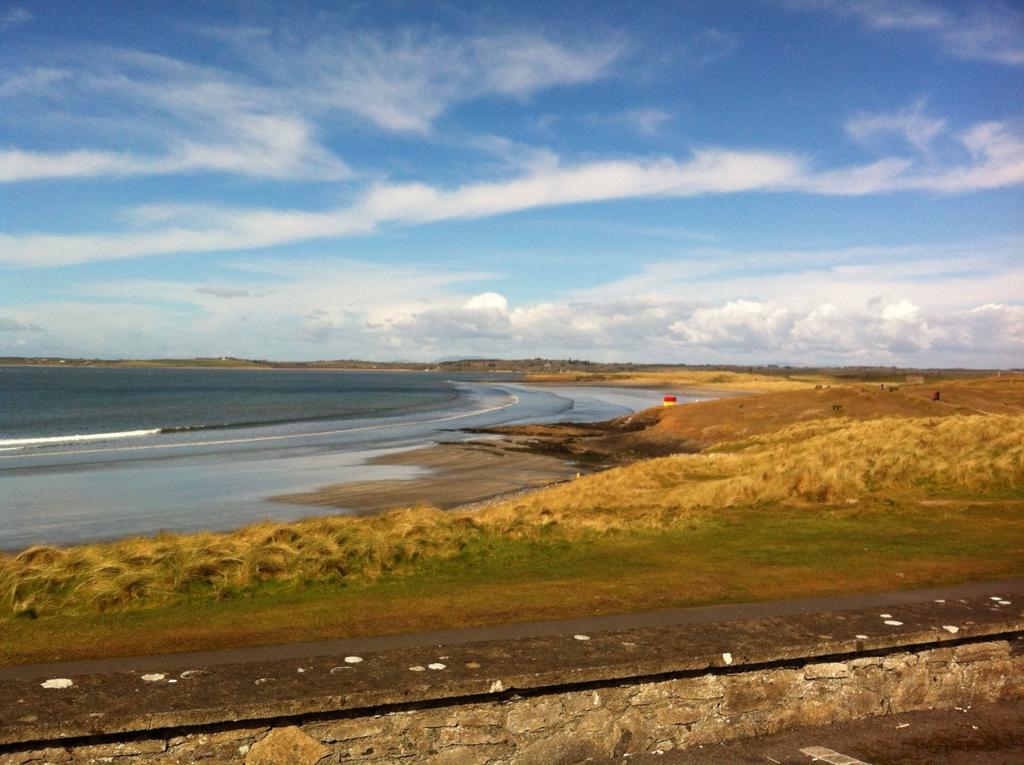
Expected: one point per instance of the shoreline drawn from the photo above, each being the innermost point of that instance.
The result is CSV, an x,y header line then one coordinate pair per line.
x,y
506,461
237,474
458,475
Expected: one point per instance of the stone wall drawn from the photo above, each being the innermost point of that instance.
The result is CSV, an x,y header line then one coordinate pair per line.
x,y
567,724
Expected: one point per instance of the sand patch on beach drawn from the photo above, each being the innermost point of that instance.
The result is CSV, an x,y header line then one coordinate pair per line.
x,y
459,474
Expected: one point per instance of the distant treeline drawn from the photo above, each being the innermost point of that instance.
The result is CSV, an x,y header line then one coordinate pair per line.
x,y
535,365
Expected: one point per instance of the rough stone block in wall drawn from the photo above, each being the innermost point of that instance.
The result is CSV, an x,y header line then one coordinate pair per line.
x,y
569,725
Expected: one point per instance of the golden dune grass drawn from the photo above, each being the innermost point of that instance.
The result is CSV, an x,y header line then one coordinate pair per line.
x,y
696,378
820,462
823,461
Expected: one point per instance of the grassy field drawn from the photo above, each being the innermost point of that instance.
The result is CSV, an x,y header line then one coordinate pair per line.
x,y
785,506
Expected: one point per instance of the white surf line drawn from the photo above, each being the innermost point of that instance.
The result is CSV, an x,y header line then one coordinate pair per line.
x,y
20,443
254,439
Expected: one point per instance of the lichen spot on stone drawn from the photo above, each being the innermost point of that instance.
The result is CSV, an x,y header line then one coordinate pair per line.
x,y
153,677
939,600
885,616
353,659
472,665
1004,602
581,637
861,637
436,665
996,597
893,623
58,683
950,629
417,668
497,686
727,657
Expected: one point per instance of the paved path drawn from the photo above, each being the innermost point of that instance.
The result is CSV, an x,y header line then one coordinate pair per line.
x,y
595,624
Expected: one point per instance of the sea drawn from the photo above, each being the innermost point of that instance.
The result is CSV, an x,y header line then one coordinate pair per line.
x,y
93,453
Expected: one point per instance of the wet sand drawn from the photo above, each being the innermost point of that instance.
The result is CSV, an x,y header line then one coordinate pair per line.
x,y
456,474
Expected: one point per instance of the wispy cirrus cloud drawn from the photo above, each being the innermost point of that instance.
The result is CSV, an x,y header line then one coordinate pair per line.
x,y
266,146
203,229
177,118
404,81
14,17
910,123
258,119
991,31
993,157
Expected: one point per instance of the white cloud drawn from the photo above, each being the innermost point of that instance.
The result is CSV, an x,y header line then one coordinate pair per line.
x,y
904,311
209,229
911,123
13,17
995,33
8,324
487,301
220,121
989,31
205,124
995,158
958,306
403,82
646,121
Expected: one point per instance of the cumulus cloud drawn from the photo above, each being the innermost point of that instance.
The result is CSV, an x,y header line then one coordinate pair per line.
x,y
750,331
907,305
487,301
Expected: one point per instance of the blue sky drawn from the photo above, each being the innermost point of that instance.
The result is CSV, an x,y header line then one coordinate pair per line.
x,y
756,181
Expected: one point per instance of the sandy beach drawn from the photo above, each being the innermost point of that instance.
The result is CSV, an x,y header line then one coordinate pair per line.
x,y
459,474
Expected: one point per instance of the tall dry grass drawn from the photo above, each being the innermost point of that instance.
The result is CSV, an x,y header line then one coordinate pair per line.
x,y
693,378
824,462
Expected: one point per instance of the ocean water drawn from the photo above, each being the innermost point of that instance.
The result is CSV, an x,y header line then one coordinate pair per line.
x,y
89,454
55,404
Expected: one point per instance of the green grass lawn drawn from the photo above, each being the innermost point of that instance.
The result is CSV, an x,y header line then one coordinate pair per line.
x,y
739,554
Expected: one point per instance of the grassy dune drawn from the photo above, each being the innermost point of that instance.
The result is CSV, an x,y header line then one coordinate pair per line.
x,y
690,378
821,462
812,466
